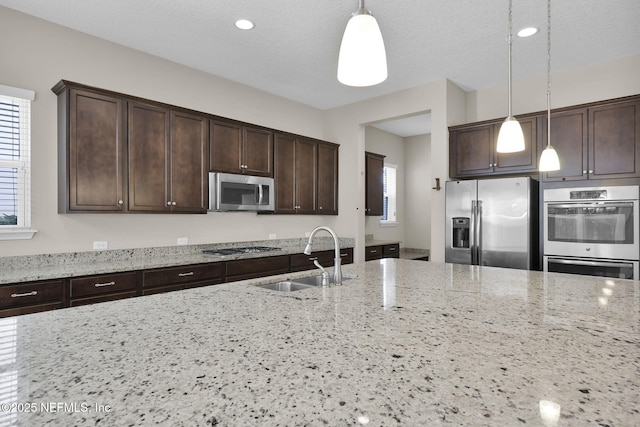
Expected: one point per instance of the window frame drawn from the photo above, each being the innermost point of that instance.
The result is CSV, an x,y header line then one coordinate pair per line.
x,y
385,197
21,230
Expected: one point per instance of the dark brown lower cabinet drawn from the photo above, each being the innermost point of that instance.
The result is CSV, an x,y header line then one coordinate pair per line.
x,y
32,297
391,250
242,269
302,262
101,288
183,277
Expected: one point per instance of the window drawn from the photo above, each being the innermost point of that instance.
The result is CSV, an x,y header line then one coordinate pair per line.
x,y
389,194
15,162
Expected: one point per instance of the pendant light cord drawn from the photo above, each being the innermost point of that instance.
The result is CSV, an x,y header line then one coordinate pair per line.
x,y
509,40
548,73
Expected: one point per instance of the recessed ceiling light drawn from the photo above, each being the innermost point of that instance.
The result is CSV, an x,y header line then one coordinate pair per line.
x,y
527,32
244,24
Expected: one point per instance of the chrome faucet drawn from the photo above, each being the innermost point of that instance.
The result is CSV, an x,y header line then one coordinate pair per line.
x,y
337,261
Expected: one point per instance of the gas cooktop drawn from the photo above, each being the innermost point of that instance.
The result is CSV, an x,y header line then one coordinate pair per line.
x,y
240,250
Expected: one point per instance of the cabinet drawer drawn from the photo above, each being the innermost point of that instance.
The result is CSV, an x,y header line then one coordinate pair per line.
x,y
213,272
391,251
257,267
101,298
34,293
102,284
301,262
346,255
372,252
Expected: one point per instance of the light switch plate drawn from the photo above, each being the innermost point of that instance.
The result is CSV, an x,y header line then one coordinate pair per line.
x,y
100,245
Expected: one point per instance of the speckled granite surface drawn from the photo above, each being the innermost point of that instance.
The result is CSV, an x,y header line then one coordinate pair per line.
x,y
408,343
74,264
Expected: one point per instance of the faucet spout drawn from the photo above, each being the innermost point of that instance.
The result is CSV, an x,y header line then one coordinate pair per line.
x,y
337,261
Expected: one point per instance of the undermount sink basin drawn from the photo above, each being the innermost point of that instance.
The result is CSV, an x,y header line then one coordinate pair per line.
x,y
284,286
297,284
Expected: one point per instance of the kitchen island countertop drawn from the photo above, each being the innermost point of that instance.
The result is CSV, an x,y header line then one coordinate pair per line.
x,y
403,343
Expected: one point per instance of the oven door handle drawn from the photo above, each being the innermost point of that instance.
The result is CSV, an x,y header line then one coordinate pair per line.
x,y
590,205
590,263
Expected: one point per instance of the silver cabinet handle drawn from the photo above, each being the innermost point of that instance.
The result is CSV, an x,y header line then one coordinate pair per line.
x,y
343,254
173,203
373,251
392,249
169,203
315,258
121,202
101,285
26,294
185,274
590,170
584,172
495,164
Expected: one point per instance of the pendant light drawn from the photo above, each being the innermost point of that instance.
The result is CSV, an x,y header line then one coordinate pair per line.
x,y
549,160
362,60
510,137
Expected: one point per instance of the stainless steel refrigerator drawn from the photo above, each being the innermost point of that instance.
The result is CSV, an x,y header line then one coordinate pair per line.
x,y
492,222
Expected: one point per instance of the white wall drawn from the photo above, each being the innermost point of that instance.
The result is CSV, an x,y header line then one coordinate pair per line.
x,y
45,53
418,188
392,147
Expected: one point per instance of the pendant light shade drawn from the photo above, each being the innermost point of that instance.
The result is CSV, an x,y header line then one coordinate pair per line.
x,y
362,60
549,160
510,138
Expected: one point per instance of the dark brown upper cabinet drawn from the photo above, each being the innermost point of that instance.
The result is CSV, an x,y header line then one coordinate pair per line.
x,y
241,149
600,141
167,160
327,179
92,151
472,149
295,163
374,193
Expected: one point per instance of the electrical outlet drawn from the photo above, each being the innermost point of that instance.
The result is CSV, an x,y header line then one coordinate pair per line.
x,y
100,245
183,241
307,234
272,236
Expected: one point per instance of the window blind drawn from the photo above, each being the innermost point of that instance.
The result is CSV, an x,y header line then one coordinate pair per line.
x,y
15,174
389,193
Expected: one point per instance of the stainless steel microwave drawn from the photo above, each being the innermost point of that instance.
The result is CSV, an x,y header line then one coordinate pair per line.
x,y
233,192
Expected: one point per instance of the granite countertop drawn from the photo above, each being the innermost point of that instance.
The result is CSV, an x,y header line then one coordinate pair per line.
x,y
403,343
75,264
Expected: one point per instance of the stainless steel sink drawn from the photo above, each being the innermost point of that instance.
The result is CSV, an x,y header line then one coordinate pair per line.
x,y
297,284
284,286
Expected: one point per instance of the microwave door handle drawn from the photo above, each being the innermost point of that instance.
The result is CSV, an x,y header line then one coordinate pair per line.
x,y
260,194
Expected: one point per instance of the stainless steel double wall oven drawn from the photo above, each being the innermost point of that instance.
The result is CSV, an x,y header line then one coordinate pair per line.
x,y
592,231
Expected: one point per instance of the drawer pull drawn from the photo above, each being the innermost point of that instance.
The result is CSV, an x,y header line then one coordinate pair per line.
x,y
185,274
373,251
343,254
26,294
101,285
315,258
392,249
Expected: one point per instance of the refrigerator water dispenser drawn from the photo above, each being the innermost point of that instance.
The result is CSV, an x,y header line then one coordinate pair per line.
x,y
461,232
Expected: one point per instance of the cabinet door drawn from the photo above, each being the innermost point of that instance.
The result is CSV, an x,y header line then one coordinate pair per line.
x,y
148,158
284,174
189,156
569,138
522,161
257,151
613,141
305,176
472,151
327,179
95,153
225,147
374,164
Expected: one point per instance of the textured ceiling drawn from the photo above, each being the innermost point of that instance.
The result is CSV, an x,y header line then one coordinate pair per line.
x,y
293,49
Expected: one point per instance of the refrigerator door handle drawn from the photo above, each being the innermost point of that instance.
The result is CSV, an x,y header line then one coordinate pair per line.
x,y
478,231
472,234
